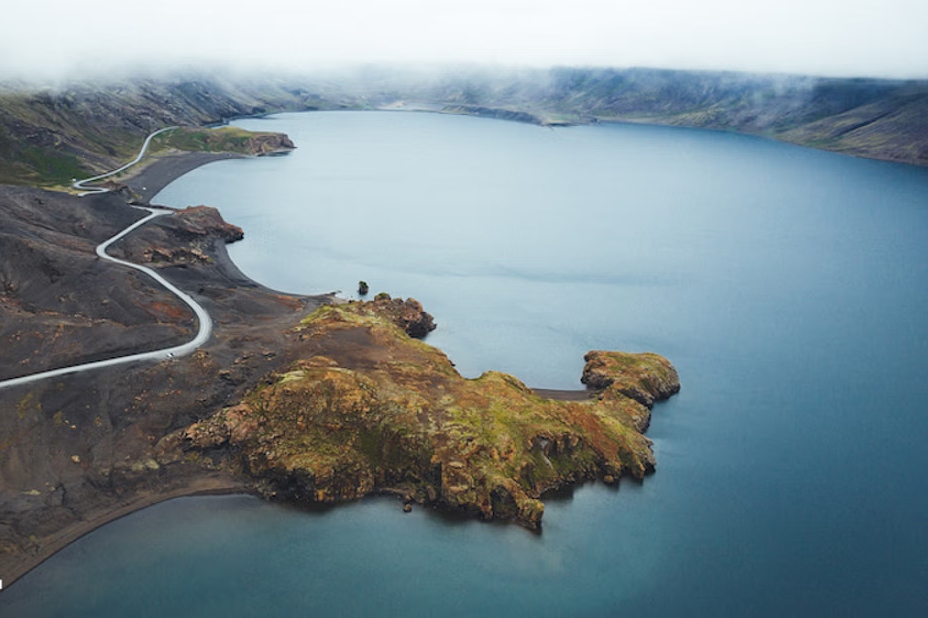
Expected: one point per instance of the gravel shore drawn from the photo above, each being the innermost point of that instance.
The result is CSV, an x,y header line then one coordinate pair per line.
x,y
158,171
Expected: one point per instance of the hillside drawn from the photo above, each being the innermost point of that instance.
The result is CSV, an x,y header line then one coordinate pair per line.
x,y
880,119
48,137
367,409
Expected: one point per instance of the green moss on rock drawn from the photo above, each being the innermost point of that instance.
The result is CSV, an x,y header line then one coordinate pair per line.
x,y
223,139
372,410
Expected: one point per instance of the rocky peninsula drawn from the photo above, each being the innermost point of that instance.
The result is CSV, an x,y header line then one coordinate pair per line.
x,y
369,409
297,398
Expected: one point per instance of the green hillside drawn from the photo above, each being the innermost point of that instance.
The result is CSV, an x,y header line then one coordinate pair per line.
x,y
48,137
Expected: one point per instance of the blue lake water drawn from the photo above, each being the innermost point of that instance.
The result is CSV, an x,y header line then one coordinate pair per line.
x,y
788,286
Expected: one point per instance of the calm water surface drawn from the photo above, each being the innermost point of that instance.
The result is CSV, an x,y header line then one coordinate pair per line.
x,y
788,286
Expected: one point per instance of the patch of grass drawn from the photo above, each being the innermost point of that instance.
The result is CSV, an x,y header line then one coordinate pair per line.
x,y
27,403
52,167
223,139
46,167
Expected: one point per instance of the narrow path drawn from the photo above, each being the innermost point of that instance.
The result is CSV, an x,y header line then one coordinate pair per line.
x,y
205,323
79,184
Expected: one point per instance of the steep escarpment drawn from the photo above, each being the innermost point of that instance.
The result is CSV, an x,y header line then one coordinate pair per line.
x,y
369,409
49,136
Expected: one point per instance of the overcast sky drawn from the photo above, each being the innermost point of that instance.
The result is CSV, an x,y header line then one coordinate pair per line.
x,y
822,37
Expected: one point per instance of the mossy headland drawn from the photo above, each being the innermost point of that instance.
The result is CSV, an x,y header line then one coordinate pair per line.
x,y
369,409
50,136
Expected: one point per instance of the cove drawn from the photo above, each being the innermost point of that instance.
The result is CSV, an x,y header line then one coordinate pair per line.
x,y
787,285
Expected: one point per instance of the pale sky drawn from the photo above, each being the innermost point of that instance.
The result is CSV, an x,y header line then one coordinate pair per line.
x,y
881,38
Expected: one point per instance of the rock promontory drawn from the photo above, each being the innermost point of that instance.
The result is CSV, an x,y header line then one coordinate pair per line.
x,y
645,377
368,410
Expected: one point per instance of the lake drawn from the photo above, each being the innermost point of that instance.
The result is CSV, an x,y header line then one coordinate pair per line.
x,y
788,286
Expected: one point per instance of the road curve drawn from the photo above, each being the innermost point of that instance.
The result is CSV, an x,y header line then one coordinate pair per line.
x,y
204,330
79,184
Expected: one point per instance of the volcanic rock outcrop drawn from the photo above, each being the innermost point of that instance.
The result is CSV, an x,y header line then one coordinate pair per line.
x,y
370,410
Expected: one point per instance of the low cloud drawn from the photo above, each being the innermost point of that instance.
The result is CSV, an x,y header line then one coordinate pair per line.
x,y
54,39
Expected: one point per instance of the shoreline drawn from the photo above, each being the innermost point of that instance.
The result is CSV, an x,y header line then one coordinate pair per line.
x,y
162,170
166,169
159,171
218,485
147,182
540,121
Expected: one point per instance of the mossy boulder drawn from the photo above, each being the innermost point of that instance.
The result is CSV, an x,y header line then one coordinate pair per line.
x,y
645,377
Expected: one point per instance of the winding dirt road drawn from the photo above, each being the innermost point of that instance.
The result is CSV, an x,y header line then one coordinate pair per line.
x,y
79,184
205,323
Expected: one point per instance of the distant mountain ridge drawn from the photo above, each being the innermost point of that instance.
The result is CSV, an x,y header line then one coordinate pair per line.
x,y
49,136
882,119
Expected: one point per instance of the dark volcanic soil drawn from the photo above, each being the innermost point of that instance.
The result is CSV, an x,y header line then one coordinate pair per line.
x,y
78,451
147,181
60,301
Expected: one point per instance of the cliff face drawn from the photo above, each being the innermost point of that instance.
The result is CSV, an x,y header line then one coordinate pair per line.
x,y
369,409
645,377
